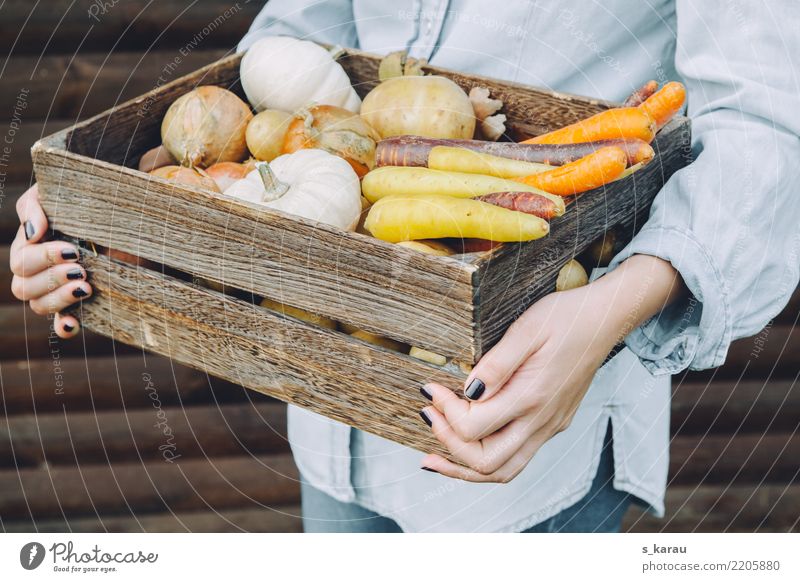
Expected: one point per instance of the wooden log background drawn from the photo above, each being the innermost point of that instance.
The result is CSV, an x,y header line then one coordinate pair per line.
x,y
78,450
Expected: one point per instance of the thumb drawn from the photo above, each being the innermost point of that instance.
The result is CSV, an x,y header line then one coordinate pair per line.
x,y
498,364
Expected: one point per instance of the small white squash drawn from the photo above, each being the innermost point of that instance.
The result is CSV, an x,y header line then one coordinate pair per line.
x,y
280,72
309,183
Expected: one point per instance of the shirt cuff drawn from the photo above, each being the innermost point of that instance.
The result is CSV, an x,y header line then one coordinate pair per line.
x,y
691,333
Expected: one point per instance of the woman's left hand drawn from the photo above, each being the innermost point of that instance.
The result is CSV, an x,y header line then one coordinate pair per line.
x,y
527,388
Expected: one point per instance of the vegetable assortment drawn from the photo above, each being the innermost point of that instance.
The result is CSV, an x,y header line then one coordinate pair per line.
x,y
417,163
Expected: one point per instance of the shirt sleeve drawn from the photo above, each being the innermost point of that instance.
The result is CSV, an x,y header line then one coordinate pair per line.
x,y
730,221
328,21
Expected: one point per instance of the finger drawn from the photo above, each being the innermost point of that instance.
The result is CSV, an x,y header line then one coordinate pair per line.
x,y
503,474
31,216
499,363
66,326
473,421
40,284
61,298
28,260
484,456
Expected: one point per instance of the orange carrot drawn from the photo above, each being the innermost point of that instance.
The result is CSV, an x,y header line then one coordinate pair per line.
x,y
665,103
620,122
527,202
590,172
641,94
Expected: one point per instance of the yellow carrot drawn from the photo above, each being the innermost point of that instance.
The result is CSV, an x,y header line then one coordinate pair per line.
x,y
421,216
457,159
394,180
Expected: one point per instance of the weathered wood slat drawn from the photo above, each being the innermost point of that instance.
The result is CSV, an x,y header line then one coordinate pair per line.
x,y
739,458
65,26
735,407
738,508
81,438
185,484
277,519
97,383
319,369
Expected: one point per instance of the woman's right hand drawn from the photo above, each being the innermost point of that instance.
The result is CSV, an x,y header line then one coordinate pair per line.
x,y
46,274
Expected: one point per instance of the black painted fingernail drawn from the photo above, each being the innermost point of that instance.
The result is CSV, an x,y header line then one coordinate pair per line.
x,y
69,255
426,418
429,469
29,230
475,389
425,393
68,328
79,292
75,274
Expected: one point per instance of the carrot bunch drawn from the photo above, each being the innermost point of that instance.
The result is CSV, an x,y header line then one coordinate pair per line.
x,y
645,112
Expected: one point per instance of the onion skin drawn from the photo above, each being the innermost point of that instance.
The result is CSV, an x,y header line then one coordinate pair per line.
x,y
206,126
571,276
265,134
335,130
188,176
155,158
226,173
429,106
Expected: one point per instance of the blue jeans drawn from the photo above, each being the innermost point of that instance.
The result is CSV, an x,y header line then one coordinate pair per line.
x,y
600,510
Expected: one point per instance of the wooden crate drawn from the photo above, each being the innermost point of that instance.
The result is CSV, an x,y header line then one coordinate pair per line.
x,y
457,306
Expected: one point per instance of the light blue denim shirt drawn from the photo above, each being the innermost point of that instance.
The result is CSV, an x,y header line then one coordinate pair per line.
x,y
729,222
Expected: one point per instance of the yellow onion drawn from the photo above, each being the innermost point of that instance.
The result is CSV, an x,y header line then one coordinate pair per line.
x,y
571,276
206,126
156,158
265,134
188,176
335,130
226,173
408,103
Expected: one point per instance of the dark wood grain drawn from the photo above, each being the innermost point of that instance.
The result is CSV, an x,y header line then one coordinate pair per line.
x,y
183,485
67,26
733,407
277,519
27,335
750,508
68,86
148,433
115,382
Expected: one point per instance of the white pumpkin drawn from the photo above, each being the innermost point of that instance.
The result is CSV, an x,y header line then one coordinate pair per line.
x,y
309,183
285,73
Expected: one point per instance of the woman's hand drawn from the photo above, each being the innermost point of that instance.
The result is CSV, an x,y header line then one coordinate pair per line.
x,y
526,389
45,273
